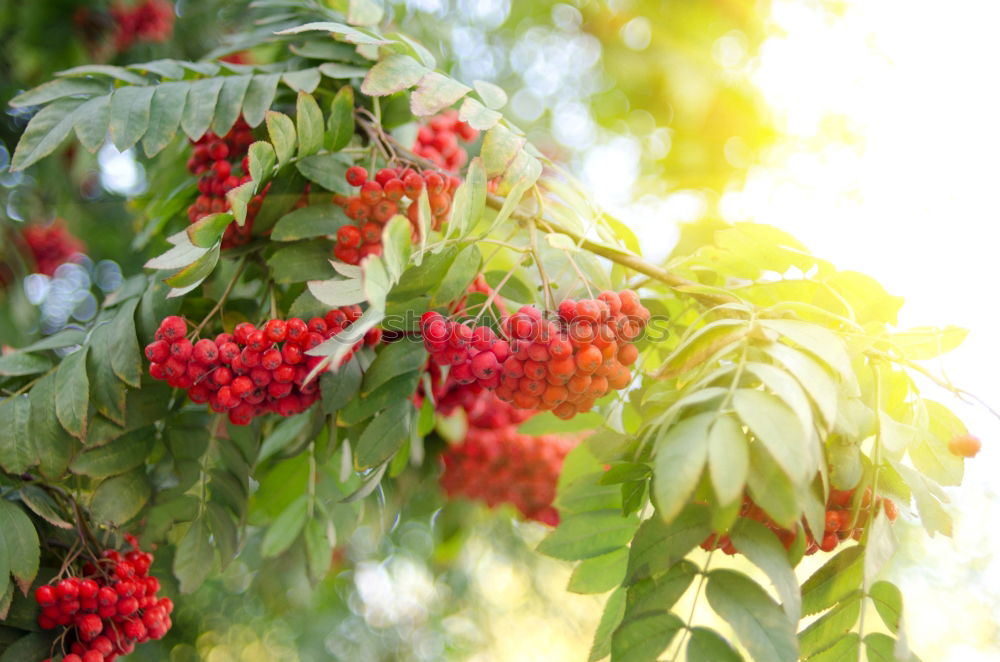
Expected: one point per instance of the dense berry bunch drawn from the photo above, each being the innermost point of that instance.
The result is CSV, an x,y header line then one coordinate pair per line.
x,y
381,198
50,245
437,141
840,523
474,354
496,464
564,365
222,163
150,20
252,371
107,610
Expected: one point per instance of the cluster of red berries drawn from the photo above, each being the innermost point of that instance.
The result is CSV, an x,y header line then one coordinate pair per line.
x,y
216,159
496,464
150,20
50,245
437,141
840,524
474,354
564,365
381,198
252,371
109,609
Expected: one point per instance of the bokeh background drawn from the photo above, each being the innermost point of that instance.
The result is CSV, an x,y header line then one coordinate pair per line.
x,y
867,128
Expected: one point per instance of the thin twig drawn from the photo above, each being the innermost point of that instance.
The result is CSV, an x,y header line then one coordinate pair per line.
x,y
550,301
222,300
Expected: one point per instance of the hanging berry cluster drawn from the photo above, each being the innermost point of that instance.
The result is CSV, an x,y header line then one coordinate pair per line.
x,y
381,198
50,245
494,463
252,371
107,610
151,20
840,523
563,365
437,141
216,159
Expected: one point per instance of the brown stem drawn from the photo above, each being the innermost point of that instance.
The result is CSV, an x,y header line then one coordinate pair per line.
x,y
222,300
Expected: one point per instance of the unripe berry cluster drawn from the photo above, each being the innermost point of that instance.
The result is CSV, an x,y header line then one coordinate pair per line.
x,y
150,20
107,610
216,159
840,524
496,464
564,365
437,141
50,245
252,371
381,198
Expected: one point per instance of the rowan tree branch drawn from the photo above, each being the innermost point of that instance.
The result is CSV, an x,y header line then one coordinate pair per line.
x,y
625,259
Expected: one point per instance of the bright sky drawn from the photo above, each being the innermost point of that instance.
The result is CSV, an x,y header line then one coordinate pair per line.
x,y
888,165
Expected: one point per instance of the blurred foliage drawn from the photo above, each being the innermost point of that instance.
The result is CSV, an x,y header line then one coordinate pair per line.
x,y
671,74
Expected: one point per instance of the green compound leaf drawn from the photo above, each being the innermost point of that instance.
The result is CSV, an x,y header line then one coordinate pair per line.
x,y
759,623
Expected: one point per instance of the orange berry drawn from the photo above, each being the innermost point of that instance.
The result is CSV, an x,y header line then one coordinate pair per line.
x,y
554,395
588,360
563,367
565,411
627,354
964,445
578,384
523,400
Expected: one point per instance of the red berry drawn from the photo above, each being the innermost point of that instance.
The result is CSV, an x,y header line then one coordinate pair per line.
x,y
384,210
127,606
158,351
173,328
485,365
270,359
228,352
284,374
275,330
102,645
394,189
241,386
45,596
384,175
291,354
297,329
483,338
67,590
349,236
181,349
347,255
106,596
371,192
89,626
413,184
205,351
356,175
241,334
222,375
435,182
371,233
